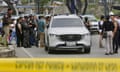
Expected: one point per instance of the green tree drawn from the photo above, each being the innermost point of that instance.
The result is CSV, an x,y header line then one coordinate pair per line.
x,y
24,2
85,6
40,5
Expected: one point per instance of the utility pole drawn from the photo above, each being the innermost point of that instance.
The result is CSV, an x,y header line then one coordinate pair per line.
x,y
38,6
106,9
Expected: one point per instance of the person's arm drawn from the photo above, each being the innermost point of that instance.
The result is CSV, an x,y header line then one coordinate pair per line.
x,y
20,28
89,23
103,27
115,28
99,24
36,23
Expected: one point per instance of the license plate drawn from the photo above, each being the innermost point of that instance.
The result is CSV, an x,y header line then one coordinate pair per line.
x,y
71,43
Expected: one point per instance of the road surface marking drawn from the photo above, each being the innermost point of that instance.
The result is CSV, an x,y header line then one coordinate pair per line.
x,y
27,52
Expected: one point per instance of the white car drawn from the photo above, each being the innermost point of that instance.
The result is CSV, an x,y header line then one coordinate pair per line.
x,y
93,21
67,32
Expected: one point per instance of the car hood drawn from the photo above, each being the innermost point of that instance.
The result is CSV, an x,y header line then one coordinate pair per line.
x,y
64,30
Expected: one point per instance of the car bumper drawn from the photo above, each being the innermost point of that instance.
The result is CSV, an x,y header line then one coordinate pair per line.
x,y
69,48
94,29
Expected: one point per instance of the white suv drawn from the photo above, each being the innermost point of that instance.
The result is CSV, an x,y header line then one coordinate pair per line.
x,y
67,32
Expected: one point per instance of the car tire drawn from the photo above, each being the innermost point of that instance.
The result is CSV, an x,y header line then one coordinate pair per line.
x,y
50,51
46,45
87,50
46,48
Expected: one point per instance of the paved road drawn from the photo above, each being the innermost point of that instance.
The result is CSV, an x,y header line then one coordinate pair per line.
x,y
96,52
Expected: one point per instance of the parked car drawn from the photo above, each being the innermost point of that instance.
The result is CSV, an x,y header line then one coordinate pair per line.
x,y
93,22
15,17
67,32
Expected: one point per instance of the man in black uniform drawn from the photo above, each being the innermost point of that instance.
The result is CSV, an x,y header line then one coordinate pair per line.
x,y
26,32
6,22
32,25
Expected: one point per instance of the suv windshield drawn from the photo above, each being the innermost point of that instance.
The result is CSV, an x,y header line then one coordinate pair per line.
x,y
67,22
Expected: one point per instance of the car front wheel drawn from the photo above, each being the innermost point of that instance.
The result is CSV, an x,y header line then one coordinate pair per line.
x,y
50,51
87,50
46,48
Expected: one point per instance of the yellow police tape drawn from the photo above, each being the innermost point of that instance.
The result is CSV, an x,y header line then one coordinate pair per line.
x,y
60,65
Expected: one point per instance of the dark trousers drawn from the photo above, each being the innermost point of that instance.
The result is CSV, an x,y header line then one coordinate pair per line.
x,y
26,37
32,37
116,42
19,40
36,38
119,38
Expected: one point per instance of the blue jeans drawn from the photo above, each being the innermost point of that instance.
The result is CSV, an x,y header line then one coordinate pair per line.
x,y
32,38
13,36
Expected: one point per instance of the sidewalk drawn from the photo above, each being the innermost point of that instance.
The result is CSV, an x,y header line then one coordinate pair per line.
x,y
7,51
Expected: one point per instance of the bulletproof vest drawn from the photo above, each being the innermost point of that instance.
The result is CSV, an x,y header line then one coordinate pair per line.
x,y
32,22
25,26
108,25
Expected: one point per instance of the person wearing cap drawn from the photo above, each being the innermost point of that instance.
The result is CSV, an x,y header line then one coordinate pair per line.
x,y
6,22
32,24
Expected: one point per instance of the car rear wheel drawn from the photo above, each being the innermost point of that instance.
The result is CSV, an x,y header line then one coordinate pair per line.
x,y
50,51
46,48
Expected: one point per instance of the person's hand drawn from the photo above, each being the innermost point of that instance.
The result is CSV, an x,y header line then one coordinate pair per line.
x,y
30,25
113,34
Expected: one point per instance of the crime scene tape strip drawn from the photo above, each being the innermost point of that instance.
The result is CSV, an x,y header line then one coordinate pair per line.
x,y
60,65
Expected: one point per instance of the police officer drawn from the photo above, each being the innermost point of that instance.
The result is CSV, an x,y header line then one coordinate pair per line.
x,y
32,25
6,22
25,32
108,28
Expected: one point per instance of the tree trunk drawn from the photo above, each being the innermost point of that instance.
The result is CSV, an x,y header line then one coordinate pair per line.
x,y
10,5
85,7
68,5
79,5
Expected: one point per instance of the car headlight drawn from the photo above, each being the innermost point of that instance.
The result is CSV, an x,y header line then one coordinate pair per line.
x,y
85,35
